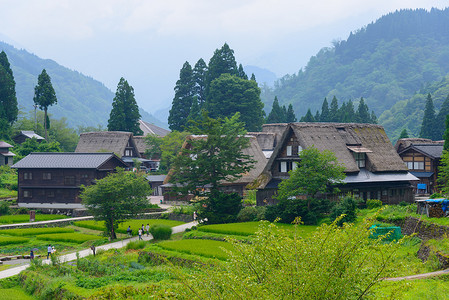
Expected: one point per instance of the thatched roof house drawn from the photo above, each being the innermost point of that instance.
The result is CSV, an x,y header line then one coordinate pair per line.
x,y
119,142
148,128
240,184
364,150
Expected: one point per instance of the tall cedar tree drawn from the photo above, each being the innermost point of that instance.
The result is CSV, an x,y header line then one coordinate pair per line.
x,y
363,115
349,114
253,77
276,114
223,61
8,100
428,121
325,114
44,96
213,157
182,102
290,117
441,119
404,134
230,94
446,135
308,117
125,114
199,75
242,73
333,112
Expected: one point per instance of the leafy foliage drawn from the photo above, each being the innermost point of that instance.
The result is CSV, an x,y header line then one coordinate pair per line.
x,y
373,203
428,121
125,113
117,197
8,99
161,231
346,207
44,96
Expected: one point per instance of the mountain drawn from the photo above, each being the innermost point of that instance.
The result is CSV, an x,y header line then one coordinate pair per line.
x,y
385,62
81,99
263,76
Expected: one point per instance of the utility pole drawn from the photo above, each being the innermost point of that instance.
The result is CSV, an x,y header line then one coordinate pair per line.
x,y
35,118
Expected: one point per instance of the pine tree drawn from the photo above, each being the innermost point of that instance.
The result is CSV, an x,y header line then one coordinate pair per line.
x,y
404,134
8,100
428,121
290,117
223,61
277,114
363,115
44,95
182,102
350,113
242,73
199,75
333,112
253,77
308,117
342,117
125,113
441,119
195,111
373,118
446,134
325,114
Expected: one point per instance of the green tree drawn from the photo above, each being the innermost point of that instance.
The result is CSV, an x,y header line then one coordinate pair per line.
x,y
349,113
33,145
331,263
222,62
184,96
428,121
318,172
446,134
290,117
215,155
276,114
253,77
199,75
125,113
230,94
8,100
404,134
308,117
333,111
44,95
241,73
363,115
441,119
167,147
117,197
325,113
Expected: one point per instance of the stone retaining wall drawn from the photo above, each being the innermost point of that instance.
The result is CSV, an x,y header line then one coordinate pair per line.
x,y
424,230
425,251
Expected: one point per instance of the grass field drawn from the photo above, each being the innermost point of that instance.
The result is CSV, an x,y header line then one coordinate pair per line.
x,y
14,294
77,238
206,248
135,224
13,219
35,231
10,240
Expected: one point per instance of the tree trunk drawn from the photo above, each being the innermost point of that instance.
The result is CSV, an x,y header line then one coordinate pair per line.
x,y
45,124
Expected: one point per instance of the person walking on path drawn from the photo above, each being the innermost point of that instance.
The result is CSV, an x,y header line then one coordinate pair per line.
x,y
49,250
194,216
140,233
147,229
31,255
129,230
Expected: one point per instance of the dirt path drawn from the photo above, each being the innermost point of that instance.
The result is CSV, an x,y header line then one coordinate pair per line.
x,y
419,276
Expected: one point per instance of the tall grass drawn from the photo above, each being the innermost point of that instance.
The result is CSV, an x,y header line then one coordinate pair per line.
x,y
206,248
77,238
8,240
13,219
36,231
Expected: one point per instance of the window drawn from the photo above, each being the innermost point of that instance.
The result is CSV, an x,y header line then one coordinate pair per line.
x,y
294,165
84,176
27,194
299,149
69,180
283,167
289,150
27,176
360,159
417,165
46,176
50,194
128,152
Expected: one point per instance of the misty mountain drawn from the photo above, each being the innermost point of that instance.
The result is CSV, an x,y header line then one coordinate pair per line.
x,y
385,62
81,99
263,76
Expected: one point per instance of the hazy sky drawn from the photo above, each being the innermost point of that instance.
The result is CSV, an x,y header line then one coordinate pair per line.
x,y
147,41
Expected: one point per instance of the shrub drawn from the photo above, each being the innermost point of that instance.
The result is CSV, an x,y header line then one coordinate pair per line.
x,y
403,203
4,208
373,203
135,245
348,207
288,210
183,210
251,213
221,208
161,232
436,195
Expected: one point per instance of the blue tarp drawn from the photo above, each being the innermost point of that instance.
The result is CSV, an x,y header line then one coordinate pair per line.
x,y
422,186
444,203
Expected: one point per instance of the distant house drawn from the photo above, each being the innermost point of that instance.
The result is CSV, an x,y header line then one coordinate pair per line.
x,y
240,185
24,135
142,146
119,142
422,158
373,168
52,180
148,128
6,156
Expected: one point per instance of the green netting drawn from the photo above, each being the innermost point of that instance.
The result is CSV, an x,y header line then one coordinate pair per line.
x,y
386,233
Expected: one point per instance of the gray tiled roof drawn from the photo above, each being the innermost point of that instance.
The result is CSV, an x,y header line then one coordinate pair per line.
x,y
61,160
434,150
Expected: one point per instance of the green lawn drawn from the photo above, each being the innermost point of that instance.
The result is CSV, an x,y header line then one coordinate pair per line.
x,y
10,240
77,238
35,231
14,294
206,248
134,223
13,219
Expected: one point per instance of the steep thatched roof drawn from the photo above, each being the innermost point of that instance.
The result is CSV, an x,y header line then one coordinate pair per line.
x,y
105,141
277,128
266,140
140,144
401,144
149,128
252,150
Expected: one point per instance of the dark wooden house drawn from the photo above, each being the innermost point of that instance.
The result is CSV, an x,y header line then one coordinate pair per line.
x,y
24,135
373,168
6,156
422,158
53,180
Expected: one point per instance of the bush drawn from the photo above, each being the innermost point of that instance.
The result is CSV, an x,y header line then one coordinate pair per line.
x,y
348,207
436,195
251,213
183,210
373,203
288,210
161,232
4,208
403,203
136,245
221,208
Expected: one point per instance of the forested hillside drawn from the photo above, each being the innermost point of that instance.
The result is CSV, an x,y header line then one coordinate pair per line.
x,y
81,99
386,62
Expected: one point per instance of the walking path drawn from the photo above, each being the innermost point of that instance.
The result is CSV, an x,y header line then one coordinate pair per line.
x,y
419,276
82,253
